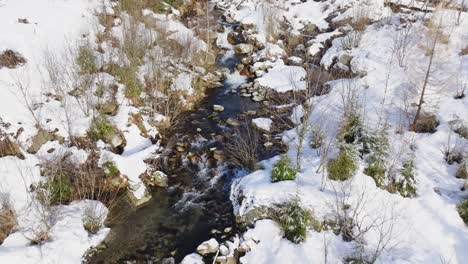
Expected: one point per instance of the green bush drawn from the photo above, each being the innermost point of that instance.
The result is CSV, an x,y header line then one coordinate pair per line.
x,y
110,169
377,172
294,221
462,209
102,128
55,190
282,171
344,166
86,60
133,87
406,184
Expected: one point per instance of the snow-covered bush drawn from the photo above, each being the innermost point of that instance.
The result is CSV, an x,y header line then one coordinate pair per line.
x,y
92,219
282,170
344,166
294,221
462,209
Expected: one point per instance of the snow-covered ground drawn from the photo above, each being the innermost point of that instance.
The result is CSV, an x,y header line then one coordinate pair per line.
x,y
51,26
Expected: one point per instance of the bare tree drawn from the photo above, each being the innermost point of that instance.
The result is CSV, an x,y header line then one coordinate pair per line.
x,y
401,43
435,35
355,221
22,82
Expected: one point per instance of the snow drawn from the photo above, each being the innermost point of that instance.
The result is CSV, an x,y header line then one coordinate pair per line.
x,y
273,249
263,123
284,78
69,239
193,259
53,25
183,82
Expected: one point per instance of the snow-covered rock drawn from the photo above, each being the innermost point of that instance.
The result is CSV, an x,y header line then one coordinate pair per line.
x,y
159,179
244,49
208,247
193,259
218,108
263,123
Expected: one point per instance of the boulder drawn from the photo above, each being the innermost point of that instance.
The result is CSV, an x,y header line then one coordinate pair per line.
x,y
247,26
223,250
108,108
9,148
310,28
258,98
170,260
345,59
116,140
244,49
159,179
138,201
208,247
38,140
193,259
232,122
218,108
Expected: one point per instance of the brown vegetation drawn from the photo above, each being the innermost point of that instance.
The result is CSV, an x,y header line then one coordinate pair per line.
x,y
11,59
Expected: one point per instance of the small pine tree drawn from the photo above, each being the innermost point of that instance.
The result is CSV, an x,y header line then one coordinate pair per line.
x,y
282,171
378,146
344,166
405,184
294,221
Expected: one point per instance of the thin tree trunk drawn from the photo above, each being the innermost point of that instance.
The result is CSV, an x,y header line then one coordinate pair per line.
x,y
426,78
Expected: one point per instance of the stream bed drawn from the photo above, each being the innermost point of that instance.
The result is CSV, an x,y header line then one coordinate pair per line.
x,y
196,206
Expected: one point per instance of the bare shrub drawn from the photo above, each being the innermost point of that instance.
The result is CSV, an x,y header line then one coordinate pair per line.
x,y
8,221
136,41
426,123
351,40
11,59
453,152
355,222
242,147
401,43
271,18
360,18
